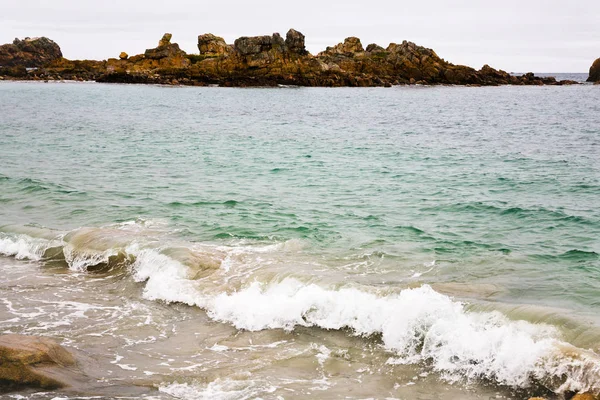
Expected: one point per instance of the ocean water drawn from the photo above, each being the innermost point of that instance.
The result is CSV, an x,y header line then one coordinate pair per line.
x,y
289,243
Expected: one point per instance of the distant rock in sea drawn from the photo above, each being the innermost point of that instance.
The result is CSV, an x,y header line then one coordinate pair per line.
x,y
29,52
271,60
595,72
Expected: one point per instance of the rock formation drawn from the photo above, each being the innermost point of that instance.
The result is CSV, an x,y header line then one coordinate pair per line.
x,y
294,42
349,47
29,52
29,361
210,45
164,49
270,60
595,72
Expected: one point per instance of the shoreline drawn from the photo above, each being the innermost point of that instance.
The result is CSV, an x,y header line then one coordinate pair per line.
x,y
274,86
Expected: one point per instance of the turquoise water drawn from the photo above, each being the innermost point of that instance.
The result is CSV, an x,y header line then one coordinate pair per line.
x,y
489,195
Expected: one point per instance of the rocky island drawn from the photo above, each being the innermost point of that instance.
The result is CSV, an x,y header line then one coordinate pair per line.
x,y
257,61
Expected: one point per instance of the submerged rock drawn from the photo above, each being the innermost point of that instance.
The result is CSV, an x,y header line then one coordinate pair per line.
x,y
594,72
30,361
29,52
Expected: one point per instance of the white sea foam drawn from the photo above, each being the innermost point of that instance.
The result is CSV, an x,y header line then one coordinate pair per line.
x,y
23,246
220,389
166,279
416,325
80,260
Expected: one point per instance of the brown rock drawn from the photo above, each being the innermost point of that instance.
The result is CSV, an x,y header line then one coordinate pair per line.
x,y
165,49
567,82
271,60
213,46
29,52
29,360
585,396
123,56
349,47
165,40
375,48
247,46
594,72
294,42
498,76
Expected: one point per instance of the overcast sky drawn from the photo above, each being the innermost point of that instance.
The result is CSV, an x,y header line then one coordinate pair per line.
x,y
514,35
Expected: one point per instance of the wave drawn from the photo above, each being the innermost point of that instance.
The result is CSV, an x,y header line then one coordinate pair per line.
x,y
36,186
420,325
23,247
416,325
515,212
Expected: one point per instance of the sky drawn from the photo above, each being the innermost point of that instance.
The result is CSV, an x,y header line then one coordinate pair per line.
x,y
513,35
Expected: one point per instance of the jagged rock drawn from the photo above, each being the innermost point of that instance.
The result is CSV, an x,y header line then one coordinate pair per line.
x,y
350,46
492,75
374,48
247,46
123,56
165,49
294,42
594,72
29,52
30,361
165,40
271,60
213,46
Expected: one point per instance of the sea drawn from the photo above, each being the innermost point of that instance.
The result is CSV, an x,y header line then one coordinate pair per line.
x,y
411,242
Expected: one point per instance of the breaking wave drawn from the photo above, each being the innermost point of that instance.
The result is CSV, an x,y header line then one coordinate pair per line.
x,y
416,325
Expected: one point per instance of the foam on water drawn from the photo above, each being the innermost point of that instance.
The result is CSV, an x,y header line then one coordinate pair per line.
x,y
166,279
23,246
416,325
220,389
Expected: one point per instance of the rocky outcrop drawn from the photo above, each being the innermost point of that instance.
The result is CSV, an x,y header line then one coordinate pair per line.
x,y
165,49
210,45
29,52
349,47
29,361
594,72
123,56
271,60
294,41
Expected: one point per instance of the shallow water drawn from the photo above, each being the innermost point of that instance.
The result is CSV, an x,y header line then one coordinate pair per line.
x,y
409,242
